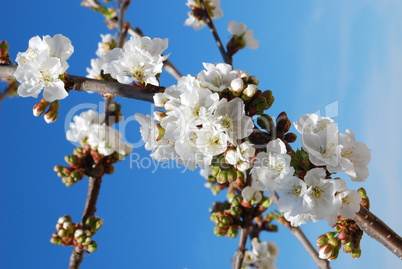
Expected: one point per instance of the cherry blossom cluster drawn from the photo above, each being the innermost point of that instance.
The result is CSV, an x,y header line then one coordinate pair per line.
x,y
313,195
75,234
262,255
196,17
89,128
43,66
198,124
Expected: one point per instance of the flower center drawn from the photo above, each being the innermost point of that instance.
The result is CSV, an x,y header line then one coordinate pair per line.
x,y
317,192
297,190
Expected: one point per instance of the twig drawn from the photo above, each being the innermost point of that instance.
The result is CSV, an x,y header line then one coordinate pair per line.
x,y
211,25
100,86
10,88
241,248
378,230
299,234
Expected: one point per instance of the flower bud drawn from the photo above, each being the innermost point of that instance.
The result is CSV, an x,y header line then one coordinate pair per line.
x,y
91,247
53,112
40,107
232,231
215,171
236,86
249,92
4,57
222,177
232,175
219,231
253,80
290,137
160,99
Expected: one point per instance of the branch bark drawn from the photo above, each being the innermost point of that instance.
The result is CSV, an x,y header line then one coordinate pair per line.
x,y
241,248
100,86
379,231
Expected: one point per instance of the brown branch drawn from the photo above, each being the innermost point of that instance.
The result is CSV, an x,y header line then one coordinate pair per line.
x,y
226,57
10,88
379,231
100,86
241,248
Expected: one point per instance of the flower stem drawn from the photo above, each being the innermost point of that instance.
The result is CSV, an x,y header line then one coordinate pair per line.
x,y
211,25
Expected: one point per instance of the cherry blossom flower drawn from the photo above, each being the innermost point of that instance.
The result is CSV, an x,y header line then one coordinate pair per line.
x,y
353,158
195,18
217,77
139,60
89,128
320,195
270,166
108,43
241,35
319,139
42,66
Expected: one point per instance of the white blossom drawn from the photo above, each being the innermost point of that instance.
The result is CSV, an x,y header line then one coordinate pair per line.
x,y
108,43
107,140
217,77
238,30
319,139
96,68
194,20
139,60
89,128
350,203
320,195
42,66
249,193
270,166
353,158
82,125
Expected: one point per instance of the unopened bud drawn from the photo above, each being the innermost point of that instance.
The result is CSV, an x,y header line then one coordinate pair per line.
x,y
219,231
249,92
253,80
232,231
53,112
91,247
236,86
222,177
161,132
40,107
3,49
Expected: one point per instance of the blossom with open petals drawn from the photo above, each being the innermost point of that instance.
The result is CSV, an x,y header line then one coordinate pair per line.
x,y
243,36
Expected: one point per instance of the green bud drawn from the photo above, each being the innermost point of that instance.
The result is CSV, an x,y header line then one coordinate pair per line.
x,y
232,175
222,176
235,211
53,112
91,247
55,239
215,171
232,231
219,231
266,122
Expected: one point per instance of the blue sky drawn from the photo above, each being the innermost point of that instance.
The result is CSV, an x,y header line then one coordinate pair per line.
x,y
341,59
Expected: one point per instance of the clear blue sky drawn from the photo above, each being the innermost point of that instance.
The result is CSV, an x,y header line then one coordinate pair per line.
x,y
340,58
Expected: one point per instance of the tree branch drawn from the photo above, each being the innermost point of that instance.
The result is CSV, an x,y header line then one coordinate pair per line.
x,y
211,25
100,86
241,248
379,231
